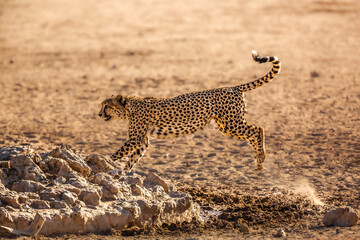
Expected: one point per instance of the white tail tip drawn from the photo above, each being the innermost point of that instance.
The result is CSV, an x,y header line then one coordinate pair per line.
x,y
254,53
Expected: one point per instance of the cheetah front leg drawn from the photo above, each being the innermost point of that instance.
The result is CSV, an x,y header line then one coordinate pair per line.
x,y
137,154
125,150
134,148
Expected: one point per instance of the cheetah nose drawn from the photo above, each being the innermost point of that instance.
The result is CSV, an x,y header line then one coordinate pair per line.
x,y
100,114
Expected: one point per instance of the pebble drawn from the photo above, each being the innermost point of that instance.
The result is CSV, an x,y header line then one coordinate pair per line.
x,y
280,233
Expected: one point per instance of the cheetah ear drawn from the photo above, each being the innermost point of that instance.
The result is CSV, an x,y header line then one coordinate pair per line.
x,y
121,99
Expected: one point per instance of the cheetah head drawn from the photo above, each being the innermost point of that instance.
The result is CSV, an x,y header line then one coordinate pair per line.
x,y
113,108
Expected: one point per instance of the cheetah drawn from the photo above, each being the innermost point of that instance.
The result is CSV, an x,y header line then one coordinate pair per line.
x,y
185,114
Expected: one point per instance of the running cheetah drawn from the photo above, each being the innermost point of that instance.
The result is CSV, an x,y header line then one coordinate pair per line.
x,y
186,114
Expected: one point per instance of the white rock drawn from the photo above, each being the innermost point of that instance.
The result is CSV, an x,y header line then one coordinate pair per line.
x,y
5,218
136,190
23,199
75,161
40,204
79,182
10,198
7,153
3,178
280,233
57,204
50,194
244,228
60,180
341,217
90,197
152,179
100,163
116,173
134,180
67,172
69,198
27,186
107,195
73,189
26,168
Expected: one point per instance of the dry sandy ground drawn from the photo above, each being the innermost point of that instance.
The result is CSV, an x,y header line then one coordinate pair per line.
x,y
60,59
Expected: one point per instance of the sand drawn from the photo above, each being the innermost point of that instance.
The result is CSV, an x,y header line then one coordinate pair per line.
x,y
60,59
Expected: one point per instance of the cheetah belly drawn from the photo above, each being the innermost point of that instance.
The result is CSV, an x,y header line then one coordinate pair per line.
x,y
176,129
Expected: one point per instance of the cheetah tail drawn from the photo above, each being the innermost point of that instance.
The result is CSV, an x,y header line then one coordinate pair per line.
x,y
265,79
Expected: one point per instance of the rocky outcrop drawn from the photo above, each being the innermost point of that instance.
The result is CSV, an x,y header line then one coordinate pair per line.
x,y
76,195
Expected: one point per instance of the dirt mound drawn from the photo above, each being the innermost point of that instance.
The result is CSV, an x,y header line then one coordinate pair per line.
x,y
233,210
223,211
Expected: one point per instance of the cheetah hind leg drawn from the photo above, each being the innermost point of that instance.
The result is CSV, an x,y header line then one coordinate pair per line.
x,y
260,150
256,137
252,134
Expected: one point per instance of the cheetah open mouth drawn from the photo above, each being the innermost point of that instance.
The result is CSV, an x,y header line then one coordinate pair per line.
x,y
108,118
